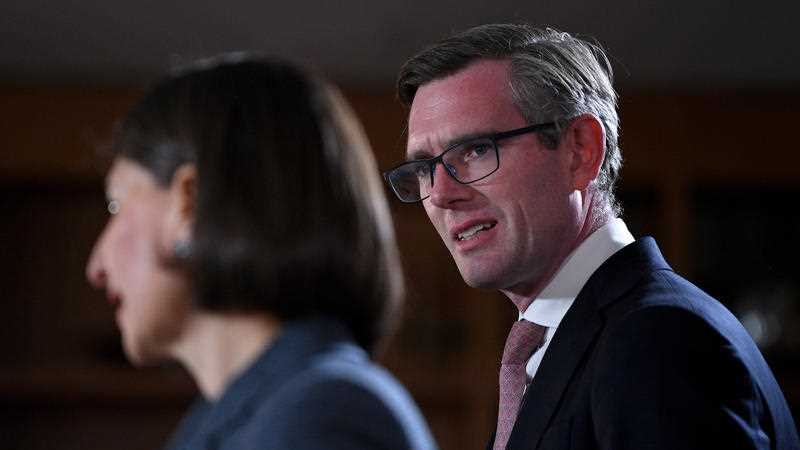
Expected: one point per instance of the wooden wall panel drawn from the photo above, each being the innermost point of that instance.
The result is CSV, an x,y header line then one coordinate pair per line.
x,y
61,356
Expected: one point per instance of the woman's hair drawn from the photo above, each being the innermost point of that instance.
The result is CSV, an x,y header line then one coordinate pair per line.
x,y
290,215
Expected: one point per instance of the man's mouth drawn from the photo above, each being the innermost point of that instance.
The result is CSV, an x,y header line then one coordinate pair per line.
x,y
473,231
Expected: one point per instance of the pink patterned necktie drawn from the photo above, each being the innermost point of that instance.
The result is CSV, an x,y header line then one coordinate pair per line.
x,y
523,339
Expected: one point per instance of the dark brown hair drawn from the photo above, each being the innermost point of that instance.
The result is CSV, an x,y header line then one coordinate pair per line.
x,y
290,217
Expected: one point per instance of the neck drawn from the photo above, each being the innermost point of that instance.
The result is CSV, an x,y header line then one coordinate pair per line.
x,y
220,346
592,218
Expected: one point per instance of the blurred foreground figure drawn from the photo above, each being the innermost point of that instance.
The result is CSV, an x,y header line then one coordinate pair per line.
x,y
512,150
249,239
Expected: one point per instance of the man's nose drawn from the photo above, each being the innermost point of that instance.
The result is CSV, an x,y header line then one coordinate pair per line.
x,y
446,192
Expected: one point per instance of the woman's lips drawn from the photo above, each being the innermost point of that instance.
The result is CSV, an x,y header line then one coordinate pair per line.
x,y
113,298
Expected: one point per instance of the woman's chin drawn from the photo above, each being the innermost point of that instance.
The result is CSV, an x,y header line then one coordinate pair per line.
x,y
140,355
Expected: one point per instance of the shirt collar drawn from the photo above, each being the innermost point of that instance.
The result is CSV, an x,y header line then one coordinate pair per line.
x,y
556,298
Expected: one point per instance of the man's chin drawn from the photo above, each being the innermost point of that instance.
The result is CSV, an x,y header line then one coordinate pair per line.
x,y
480,279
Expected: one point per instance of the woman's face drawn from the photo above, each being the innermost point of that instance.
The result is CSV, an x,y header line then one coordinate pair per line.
x,y
131,262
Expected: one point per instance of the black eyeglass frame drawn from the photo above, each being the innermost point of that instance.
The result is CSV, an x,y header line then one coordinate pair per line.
x,y
432,162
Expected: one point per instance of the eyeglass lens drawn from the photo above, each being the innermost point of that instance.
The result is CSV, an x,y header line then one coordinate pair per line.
x,y
466,163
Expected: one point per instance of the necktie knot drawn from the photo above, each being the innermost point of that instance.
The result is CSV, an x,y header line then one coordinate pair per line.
x,y
523,339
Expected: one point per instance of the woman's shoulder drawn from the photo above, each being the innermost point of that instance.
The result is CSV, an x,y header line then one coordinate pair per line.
x,y
341,396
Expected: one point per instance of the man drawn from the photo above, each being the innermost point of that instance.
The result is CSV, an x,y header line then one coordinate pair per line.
x,y
512,150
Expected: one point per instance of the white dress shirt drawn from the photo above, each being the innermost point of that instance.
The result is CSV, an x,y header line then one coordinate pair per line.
x,y
556,298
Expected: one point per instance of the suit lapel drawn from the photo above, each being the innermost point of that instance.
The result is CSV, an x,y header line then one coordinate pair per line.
x,y
576,336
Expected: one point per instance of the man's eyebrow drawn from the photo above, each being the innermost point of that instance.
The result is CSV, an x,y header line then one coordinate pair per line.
x,y
416,155
469,137
423,153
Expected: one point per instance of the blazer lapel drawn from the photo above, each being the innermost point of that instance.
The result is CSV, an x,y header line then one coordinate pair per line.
x,y
576,337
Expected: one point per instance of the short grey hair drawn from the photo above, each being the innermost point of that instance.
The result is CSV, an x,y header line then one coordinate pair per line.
x,y
554,77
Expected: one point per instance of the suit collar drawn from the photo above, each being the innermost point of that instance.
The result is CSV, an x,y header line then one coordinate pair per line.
x,y
576,335
552,304
622,271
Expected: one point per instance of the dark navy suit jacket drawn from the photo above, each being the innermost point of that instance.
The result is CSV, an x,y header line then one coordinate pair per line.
x,y
645,360
313,388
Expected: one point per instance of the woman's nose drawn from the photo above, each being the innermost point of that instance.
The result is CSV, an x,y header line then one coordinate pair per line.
x,y
95,271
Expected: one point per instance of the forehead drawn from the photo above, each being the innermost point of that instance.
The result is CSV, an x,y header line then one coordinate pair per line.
x,y
125,174
475,100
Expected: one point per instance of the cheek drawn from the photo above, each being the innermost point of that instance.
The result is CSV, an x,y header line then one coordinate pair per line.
x,y
431,211
132,247
536,204
435,215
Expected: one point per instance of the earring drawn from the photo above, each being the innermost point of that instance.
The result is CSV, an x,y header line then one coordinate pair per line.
x,y
182,250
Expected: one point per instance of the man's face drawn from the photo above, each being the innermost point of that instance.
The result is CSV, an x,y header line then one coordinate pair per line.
x,y
528,211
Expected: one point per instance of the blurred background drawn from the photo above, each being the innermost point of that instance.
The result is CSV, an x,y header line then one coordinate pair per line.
x,y
709,94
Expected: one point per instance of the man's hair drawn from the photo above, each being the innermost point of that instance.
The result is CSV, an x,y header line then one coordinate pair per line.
x,y
291,218
554,77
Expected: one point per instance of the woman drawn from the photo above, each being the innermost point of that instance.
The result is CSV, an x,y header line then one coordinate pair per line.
x,y
249,240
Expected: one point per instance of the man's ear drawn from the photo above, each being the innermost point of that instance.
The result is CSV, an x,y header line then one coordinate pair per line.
x,y
586,142
181,212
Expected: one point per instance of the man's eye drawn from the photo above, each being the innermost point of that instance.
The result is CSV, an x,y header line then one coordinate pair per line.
x,y
476,151
422,170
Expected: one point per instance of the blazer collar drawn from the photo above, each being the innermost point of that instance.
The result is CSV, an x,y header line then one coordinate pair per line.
x,y
575,336
621,272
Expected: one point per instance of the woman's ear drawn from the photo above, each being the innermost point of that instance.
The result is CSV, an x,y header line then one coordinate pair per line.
x,y
181,209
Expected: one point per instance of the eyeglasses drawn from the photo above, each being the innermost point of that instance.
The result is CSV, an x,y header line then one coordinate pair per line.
x,y
466,162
